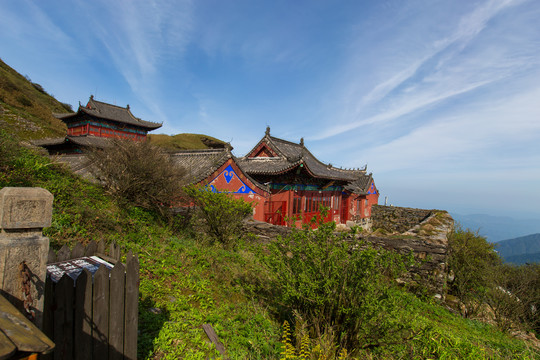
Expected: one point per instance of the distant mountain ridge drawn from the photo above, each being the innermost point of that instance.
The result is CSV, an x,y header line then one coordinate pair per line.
x,y
497,228
520,250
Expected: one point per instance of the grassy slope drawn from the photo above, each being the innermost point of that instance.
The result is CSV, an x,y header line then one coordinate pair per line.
x,y
185,141
185,284
27,107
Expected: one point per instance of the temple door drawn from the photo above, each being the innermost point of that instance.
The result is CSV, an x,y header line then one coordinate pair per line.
x,y
275,212
344,213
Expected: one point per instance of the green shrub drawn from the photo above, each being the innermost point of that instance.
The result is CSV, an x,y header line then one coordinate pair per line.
x,y
218,215
515,299
23,100
339,286
473,262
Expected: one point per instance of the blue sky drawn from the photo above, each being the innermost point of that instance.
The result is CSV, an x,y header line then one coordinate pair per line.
x,y
441,99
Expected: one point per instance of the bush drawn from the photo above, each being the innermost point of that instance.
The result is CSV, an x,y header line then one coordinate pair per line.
x,y
473,262
516,297
24,101
138,174
340,287
219,215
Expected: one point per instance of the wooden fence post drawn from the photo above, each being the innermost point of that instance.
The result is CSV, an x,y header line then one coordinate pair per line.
x,y
132,307
116,321
83,316
63,319
101,316
100,313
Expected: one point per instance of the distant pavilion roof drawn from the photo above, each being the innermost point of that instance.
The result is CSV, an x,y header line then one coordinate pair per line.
x,y
82,140
109,112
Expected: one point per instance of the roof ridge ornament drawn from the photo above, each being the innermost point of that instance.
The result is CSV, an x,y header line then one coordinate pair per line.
x,y
302,141
267,132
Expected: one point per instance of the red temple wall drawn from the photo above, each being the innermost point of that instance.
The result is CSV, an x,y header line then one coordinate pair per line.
x,y
87,129
229,178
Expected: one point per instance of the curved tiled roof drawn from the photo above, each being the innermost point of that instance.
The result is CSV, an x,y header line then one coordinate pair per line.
x,y
110,112
361,185
199,164
83,140
264,166
291,155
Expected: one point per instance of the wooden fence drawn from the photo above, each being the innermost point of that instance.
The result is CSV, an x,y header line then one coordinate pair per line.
x,y
93,317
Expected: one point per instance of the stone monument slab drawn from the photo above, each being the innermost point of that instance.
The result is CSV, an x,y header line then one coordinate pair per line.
x,y
25,208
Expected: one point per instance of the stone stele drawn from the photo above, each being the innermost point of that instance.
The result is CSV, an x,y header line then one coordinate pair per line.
x,y
24,212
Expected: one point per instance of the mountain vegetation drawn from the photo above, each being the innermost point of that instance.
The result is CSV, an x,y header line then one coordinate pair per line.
x,y
186,141
310,295
249,292
520,250
26,108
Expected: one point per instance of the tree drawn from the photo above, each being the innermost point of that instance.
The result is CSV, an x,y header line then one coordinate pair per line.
x,y
138,173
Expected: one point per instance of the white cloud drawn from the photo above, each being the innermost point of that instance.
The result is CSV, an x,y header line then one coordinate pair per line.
x,y
501,134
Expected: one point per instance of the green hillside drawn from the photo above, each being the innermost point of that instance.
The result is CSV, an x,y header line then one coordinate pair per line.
x,y
26,108
186,141
523,258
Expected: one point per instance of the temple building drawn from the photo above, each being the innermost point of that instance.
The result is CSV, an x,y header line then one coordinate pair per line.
x,y
300,184
218,170
93,124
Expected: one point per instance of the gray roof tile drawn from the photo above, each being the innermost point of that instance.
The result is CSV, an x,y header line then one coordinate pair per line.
x,y
83,140
110,112
291,155
199,164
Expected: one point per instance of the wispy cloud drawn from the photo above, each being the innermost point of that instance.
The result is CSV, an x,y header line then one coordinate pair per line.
x,y
36,26
502,136
140,35
439,72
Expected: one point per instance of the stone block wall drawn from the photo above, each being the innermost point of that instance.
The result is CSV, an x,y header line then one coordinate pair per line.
x,y
395,219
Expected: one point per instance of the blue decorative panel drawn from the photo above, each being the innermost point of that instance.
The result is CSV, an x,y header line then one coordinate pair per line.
x,y
230,182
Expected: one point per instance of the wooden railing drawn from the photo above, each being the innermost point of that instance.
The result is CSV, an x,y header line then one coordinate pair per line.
x,y
93,317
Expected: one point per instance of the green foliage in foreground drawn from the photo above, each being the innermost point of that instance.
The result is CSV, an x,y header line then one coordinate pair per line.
x,y
185,284
218,215
473,262
340,287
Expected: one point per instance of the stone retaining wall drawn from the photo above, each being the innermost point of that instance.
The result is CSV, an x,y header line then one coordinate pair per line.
x,y
395,219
